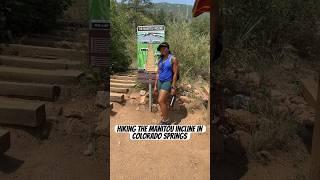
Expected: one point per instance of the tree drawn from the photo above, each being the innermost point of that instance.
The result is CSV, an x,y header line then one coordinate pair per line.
x,y
161,17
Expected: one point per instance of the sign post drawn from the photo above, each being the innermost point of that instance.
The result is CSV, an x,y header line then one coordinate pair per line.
x,y
99,34
148,39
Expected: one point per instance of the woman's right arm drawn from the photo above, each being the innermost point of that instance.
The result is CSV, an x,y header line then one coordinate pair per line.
x,y
156,82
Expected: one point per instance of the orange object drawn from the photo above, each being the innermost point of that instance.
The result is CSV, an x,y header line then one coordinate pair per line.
x,y
201,6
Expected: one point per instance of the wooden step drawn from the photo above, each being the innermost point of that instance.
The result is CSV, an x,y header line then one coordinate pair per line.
x,y
29,90
53,37
122,85
123,77
4,141
37,63
119,90
38,42
33,51
22,112
39,76
127,74
122,81
116,97
35,41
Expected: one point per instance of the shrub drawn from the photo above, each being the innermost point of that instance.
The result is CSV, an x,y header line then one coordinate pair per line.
x,y
26,16
191,49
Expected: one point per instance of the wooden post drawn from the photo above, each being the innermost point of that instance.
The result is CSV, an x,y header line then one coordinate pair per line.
x,y
315,154
214,21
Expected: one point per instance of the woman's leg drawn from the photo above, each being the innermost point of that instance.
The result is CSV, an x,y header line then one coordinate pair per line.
x,y
162,99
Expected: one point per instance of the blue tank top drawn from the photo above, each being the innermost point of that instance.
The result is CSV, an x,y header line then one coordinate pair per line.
x,y
165,69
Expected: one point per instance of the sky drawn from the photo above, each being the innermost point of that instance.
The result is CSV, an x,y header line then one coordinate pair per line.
x,y
189,2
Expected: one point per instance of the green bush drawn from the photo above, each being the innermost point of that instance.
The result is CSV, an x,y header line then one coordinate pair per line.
x,y
191,49
124,47
26,16
268,23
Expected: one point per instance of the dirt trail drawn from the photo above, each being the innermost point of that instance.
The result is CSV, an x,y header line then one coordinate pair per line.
x,y
157,159
150,64
55,151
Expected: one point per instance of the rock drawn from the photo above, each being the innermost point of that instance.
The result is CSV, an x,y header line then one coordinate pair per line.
x,y
277,96
133,101
231,144
307,118
89,150
264,156
53,110
287,65
292,108
206,90
154,108
190,106
138,108
126,96
196,92
226,91
240,101
101,99
241,119
309,122
186,87
134,95
103,124
243,138
143,100
185,99
282,109
143,93
176,107
297,100
240,70
73,114
53,119
254,78
60,110
205,98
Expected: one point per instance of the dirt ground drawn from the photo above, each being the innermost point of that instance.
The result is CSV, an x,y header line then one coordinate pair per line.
x,y
293,161
158,159
56,150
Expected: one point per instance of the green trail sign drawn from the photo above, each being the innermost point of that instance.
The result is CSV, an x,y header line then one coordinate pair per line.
x,y
148,37
99,33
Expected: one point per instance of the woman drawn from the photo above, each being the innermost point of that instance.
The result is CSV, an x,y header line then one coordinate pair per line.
x,y
166,79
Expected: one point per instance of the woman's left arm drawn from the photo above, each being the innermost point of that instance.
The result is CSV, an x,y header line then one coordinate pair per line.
x,y
175,70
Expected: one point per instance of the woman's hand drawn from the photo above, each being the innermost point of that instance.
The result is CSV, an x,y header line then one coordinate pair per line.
x,y
173,91
155,91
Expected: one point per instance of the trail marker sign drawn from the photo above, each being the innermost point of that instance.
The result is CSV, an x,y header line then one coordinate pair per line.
x,y
148,40
99,34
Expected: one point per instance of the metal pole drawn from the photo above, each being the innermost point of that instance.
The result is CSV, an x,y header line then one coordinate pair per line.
x,y
150,96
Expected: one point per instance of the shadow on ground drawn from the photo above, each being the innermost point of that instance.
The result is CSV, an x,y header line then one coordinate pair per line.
x,y
41,133
305,133
9,164
230,160
176,116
